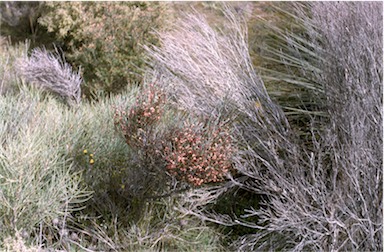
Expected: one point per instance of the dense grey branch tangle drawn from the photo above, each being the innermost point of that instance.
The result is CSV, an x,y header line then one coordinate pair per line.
x,y
324,197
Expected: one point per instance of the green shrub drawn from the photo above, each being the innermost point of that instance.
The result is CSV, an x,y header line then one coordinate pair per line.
x,y
39,182
105,38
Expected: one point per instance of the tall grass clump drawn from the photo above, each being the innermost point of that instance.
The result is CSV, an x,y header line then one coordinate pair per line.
x,y
325,194
50,72
9,56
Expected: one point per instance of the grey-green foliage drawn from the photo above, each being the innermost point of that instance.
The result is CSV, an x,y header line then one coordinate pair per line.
x,y
9,55
44,173
38,182
352,79
46,179
204,70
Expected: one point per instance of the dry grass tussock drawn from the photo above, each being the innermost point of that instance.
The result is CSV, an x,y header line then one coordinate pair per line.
x,y
50,72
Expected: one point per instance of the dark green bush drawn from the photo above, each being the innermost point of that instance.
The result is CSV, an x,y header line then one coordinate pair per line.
x,y
105,39
18,20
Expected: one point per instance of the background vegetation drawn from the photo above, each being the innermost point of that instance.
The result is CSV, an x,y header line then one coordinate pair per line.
x,y
136,126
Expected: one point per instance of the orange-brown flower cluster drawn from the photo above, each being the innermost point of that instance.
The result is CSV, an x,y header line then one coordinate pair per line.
x,y
195,153
143,115
199,154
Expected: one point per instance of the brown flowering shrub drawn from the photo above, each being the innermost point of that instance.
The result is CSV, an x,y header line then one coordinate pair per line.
x,y
137,125
199,154
143,177
194,153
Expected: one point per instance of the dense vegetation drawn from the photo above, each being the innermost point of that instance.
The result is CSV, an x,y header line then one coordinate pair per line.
x,y
130,126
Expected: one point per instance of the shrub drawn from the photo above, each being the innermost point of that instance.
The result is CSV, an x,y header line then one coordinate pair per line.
x,y
138,124
286,61
105,38
50,72
141,126
199,154
197,70
322,196
18,20
39,182
193,153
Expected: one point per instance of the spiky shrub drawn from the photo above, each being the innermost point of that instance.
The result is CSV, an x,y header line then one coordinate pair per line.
x,y
342,167
322,196
50,72
352,79
105,38
199,154
287,63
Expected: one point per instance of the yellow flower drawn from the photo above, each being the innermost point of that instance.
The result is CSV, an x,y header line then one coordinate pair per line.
x,y
85,151
91,161
91,155
122,186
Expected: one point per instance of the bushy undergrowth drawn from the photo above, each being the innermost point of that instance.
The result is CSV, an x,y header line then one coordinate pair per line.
x,y
145,169
318,194
105,39
47,177
39,182
69,180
